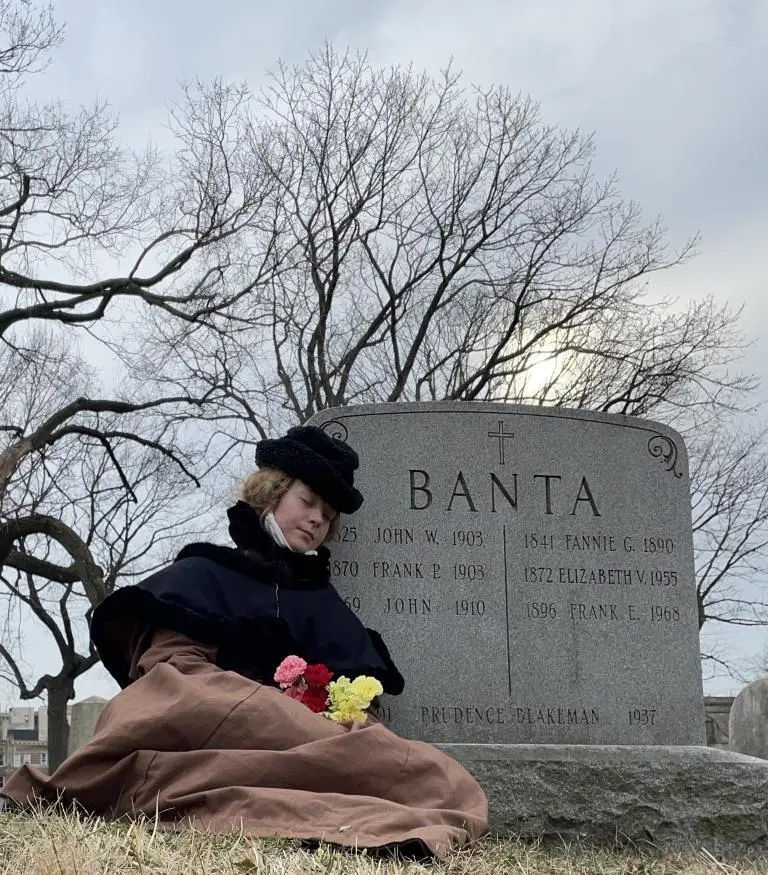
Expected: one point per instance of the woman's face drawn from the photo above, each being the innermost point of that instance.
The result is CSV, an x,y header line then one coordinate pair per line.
x,y
304,517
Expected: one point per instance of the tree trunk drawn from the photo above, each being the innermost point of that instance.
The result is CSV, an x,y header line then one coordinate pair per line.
x,y
60,691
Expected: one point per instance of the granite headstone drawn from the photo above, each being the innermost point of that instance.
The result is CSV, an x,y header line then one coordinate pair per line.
x,y
748,720
531,570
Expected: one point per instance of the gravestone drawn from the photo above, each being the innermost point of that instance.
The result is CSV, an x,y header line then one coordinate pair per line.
x,y
531,570
748,720
83,720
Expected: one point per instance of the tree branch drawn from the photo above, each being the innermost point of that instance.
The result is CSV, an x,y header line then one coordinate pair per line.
x,y
88,572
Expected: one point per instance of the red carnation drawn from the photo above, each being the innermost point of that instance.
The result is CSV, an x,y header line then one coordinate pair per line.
x,y
318,676
315,698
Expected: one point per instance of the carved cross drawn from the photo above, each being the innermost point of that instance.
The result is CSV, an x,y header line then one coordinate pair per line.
x,y
501,436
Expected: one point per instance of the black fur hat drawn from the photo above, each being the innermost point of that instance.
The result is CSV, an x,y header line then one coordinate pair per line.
x,y
326,464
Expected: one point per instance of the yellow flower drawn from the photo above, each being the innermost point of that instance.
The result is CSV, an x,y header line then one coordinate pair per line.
x,y
338,691
349,699
366,688
347,711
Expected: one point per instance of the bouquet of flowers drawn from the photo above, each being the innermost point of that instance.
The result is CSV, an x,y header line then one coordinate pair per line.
x,y
313,686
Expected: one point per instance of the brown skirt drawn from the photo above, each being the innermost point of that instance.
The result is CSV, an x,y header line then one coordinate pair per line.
x,y
211,747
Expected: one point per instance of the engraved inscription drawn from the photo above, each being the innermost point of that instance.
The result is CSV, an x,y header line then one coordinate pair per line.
x,y
594,543
394,570
545,493
467,539
353,603
541,610
461,714
601,576
345,568
408,606
642,716
470,608
598,543
581,611
601,611
405,570
534,541
556,716
393,536
346,534
531,715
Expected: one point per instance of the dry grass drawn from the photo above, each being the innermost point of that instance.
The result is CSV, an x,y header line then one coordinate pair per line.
x,y
49,844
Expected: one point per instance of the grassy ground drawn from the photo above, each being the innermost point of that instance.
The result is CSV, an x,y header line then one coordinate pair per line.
x,y
47,844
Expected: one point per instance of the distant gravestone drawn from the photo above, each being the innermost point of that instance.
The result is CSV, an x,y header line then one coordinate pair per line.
x,y
531,570
748,720
83,720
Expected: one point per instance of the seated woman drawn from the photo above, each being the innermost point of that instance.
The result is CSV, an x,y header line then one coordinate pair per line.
x,y
200,732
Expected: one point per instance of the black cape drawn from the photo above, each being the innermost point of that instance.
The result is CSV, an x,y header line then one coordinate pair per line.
x,y
256,607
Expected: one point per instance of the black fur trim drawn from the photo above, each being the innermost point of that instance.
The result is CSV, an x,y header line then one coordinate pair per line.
x,y
290,571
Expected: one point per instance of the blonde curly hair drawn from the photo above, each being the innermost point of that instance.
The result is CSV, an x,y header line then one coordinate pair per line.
x,y
263,489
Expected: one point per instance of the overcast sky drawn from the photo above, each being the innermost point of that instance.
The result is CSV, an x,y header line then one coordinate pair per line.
x,y
675,94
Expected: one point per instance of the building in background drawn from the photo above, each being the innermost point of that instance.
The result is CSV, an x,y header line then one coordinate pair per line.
x,y
717,710
24,733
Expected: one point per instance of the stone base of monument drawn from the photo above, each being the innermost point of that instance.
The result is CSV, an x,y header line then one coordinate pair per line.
x,y
670,798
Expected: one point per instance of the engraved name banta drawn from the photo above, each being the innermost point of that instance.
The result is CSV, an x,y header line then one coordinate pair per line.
x,y
545,491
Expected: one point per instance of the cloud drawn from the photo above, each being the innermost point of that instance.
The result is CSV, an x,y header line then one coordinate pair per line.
x,y
673,93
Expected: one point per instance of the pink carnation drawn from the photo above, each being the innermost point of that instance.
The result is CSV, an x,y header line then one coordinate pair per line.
x,y
295,692
289,671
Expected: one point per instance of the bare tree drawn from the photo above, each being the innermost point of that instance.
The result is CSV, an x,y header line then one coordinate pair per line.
x,y
730,525
91,234
436,244
53,578
442,243
94,503
69,194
